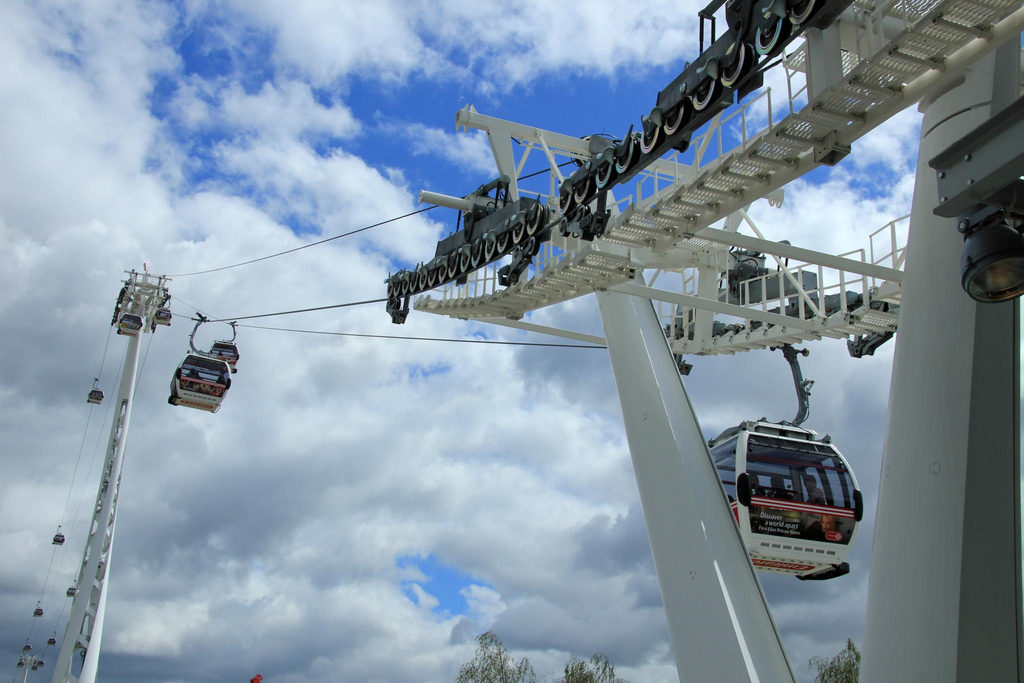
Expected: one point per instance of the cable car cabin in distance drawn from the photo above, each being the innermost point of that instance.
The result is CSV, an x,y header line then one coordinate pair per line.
x,y
795,498
200,382
226,351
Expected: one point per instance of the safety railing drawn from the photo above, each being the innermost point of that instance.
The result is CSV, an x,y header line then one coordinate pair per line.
x,y
815,294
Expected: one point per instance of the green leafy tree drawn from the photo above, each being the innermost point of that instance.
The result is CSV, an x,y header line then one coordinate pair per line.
x,y
597,670
843,668
493,664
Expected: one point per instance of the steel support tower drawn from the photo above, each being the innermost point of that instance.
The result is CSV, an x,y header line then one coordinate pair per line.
x,y
718,618
141,297
944,600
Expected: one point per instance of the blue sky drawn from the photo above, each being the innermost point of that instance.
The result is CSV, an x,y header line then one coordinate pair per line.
x,y
359,509
444,583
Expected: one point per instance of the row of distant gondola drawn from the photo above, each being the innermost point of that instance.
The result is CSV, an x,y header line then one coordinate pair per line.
x,y
27,659
58,540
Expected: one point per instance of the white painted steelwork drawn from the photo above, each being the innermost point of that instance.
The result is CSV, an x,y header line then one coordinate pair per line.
x,y
944,598
718,619
893,53
142,296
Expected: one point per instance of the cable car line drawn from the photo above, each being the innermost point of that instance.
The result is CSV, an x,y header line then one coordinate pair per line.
x,y
306,246
300,310
46,587
437,339
345,234
78,460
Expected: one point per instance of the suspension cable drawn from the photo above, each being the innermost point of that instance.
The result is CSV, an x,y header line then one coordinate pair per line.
x,y
436,339
344,234
306,246
299,310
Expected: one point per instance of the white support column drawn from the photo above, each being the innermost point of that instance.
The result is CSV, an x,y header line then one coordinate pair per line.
x,y
944,599
718,619
86,617
703,318
824,59
85,621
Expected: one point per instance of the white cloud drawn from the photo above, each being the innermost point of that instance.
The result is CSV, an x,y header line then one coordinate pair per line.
x,y
506,45
471,151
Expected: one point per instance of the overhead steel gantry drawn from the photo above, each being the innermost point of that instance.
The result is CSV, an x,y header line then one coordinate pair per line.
x,y
875,61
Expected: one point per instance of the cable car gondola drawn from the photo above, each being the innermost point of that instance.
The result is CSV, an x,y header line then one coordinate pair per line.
x,y
129,324
72,590
794,497
226,351
52,640
95,394
38,611
200,382
58,538
162,316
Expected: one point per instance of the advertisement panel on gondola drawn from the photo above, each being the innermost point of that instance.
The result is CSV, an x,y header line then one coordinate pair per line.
x,y
812,523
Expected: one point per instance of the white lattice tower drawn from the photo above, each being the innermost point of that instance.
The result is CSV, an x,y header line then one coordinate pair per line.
x,y
144,293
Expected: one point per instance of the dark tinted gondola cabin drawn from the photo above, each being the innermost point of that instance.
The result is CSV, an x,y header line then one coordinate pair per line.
x,y
95,396
200,382
72,591
58,538
226,351
162,316
38,611
129,324
795,498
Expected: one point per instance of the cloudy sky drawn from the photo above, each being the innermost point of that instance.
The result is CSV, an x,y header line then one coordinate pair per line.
x,y
360,508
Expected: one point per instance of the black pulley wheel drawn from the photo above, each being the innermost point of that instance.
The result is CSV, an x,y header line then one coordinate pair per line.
x,y
771,34
739,67
677,118
801,11
706,93
476,255
626,154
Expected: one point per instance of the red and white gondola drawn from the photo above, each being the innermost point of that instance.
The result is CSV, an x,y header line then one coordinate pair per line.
x,y
129,324
226,351
794,496
95,394
200,382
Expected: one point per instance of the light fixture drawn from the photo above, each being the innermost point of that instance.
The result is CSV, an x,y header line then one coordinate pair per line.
x,y
992,261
